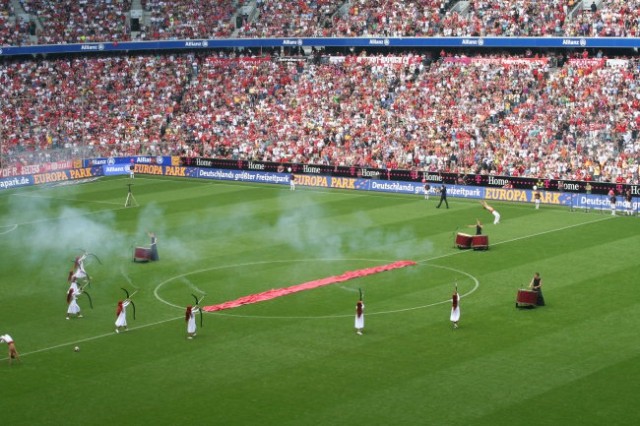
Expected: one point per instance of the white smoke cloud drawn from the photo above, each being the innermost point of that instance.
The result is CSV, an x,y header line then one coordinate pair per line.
x,y
309,227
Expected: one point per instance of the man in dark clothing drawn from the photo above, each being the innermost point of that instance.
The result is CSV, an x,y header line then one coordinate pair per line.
x,y
536,285
443,196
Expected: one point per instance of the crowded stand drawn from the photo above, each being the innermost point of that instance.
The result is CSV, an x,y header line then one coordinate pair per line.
x,y
523,18
492,114
188,19
291,19
499,115
14,31
6,10
79,21
613,18
88,106
73,21
432,18
513,114
390,18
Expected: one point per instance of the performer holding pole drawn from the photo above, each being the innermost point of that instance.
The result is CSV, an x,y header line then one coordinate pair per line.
x,y
72,299
359,320
455,308
190,317
121,311
121,315
79,272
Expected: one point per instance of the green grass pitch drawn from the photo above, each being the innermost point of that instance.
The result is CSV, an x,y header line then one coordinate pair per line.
x,y
296,360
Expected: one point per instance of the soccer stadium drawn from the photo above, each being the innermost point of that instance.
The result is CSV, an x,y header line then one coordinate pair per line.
x,y
327,212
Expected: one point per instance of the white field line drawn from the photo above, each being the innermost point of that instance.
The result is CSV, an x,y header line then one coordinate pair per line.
x,y
88,339
10,228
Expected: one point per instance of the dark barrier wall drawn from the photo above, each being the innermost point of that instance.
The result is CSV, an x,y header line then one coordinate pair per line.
x,y
480,180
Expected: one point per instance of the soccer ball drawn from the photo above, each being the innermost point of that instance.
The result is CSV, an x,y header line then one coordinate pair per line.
x,y
76,349
535,188
289,169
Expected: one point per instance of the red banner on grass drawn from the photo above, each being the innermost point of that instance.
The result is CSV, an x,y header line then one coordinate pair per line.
x,y
273,293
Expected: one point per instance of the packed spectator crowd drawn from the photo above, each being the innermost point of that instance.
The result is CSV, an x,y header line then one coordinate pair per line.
x,y
523,18
87,106
615,18
390,19
497,114
188,19
79,21
14,31
291,19
493,114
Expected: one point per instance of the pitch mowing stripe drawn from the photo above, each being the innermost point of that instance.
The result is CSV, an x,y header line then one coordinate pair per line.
x,y
181,317
524,237
73,200
503,371
55,219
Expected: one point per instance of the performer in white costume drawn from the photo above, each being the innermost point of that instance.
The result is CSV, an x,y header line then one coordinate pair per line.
x,y
79,272
72,299
190,318
121,313
455,309
359,321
